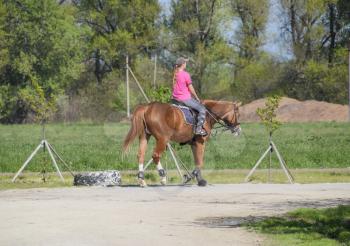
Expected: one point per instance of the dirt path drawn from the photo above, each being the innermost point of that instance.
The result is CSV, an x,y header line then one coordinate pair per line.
x,y
151,216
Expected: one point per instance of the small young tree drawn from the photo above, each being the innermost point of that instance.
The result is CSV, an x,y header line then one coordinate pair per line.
x,y
268,114
35,100
269,119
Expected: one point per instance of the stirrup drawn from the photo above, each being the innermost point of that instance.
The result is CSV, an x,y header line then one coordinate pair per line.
x,y
200,132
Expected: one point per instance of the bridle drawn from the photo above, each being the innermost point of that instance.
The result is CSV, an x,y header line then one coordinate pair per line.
x,y
226,125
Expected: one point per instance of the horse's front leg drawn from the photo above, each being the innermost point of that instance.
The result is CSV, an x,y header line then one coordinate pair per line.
x,y
198,147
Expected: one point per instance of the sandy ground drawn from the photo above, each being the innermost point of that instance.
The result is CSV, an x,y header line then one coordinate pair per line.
x,y
170,215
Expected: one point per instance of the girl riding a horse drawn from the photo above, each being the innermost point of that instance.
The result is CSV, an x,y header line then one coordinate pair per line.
x,y
183,91
166,123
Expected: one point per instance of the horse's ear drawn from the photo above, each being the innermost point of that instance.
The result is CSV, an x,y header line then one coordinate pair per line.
x,y
238,104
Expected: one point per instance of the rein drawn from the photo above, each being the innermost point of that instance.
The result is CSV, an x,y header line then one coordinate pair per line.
x,y
223,123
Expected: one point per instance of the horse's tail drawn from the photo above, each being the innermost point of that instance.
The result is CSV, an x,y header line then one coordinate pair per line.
x,y
137,126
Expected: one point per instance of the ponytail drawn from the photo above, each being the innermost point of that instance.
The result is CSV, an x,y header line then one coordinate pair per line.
x,y
176,69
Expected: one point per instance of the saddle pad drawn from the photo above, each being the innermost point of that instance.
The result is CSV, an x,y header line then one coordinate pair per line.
x,y
187,113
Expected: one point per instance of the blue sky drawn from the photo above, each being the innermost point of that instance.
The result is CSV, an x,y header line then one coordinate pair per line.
x,y
274,43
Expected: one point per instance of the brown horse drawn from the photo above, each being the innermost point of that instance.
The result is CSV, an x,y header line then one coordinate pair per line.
x,y
166,123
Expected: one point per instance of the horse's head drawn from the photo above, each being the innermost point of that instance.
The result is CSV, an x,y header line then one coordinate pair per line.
x,y
228,112
231,118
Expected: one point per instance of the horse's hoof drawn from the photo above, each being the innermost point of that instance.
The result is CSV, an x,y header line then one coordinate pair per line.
x,y
202,182
163,181
142,183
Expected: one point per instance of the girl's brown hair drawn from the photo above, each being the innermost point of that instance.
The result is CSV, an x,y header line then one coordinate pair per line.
x,y
176,69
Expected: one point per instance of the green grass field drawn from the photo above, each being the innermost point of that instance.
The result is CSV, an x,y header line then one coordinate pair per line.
x,y
308,227
98,147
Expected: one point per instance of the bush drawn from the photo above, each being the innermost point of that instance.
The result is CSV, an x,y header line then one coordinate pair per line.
x,y
316,80
161,94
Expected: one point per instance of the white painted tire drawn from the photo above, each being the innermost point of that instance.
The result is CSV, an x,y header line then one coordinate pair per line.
x,y
103,178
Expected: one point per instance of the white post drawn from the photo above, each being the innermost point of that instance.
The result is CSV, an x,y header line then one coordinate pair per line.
x,y
155,71
148,163
53,160
28,160
139,85
175,160
282,163
59,157
127,88
257,164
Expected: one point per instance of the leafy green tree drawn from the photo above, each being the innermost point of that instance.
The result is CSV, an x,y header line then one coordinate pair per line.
x,y
44,54
337,27
343,23
3,49
303,26
316,80
252,77
118,28
194,28
317,30
252,16
255,79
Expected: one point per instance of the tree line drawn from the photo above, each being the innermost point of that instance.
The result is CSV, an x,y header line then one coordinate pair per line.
x,y
65,60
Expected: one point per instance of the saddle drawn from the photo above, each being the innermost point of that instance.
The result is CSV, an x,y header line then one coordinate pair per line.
x,y
190,115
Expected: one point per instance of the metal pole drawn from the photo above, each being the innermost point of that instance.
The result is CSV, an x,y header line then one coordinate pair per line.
x,y
28,160
155,72
43,130
139,85
257,164
284,163
284,167
148,163
127,88
59,157
54,161
175,160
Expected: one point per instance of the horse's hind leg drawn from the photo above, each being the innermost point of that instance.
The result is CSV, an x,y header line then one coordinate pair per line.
x,y
158,150
143,141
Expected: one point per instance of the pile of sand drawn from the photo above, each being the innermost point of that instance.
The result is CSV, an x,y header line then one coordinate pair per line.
x,y
292,110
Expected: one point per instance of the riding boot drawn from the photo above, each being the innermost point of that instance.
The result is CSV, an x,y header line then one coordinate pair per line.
x,y
197,173
199,129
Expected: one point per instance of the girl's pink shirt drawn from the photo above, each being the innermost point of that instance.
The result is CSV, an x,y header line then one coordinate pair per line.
x,y
181,91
